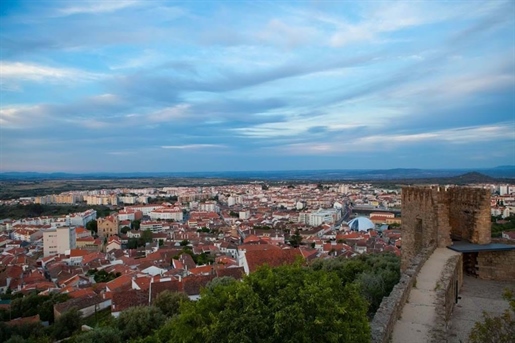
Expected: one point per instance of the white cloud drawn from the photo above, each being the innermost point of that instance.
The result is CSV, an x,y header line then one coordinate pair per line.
x,y
35,72
98,6
192,146
169,113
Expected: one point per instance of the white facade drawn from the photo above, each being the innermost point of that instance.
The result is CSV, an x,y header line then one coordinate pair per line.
x,y
166,213
328,216
58,240
244,215
82,218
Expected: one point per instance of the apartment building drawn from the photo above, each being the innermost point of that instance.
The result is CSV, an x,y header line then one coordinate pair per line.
x,y
58,240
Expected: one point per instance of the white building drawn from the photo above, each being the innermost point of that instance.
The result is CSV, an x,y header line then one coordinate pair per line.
x,y
58,240
328,216
244,214
167,214
82,218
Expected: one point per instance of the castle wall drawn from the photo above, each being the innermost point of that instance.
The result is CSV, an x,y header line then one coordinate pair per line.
x,y
469,214
496,265
419,222
430,216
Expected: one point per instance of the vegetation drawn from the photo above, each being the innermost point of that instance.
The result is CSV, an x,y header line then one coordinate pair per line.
x,y
146,237
499,329
498,228
37,210
102,275
284,304
33,304
324,301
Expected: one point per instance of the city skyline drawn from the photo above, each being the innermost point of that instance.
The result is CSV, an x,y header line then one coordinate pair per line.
x,y
138,86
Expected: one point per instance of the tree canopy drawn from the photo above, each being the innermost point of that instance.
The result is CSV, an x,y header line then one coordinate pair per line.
x,y
284,304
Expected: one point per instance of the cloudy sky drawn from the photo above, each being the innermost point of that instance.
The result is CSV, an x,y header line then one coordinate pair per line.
x,y
258,85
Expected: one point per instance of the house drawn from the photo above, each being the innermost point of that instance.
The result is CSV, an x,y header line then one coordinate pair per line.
x,y
508,235
128,298
87,305
113,243
254,259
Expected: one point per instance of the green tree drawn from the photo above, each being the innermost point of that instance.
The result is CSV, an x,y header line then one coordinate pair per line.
x,y
135,224
296,239
146,236
169,302
92,226
140,321
125,229
66,325
499,329
184,243
100,335
284,304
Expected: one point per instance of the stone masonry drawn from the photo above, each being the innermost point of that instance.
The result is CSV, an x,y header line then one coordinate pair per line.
x,y
431,216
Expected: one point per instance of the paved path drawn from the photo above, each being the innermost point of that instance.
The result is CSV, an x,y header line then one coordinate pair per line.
x,y
419,313
476,296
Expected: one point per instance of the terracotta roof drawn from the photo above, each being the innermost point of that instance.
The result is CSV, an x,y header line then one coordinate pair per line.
x,y
235,272
80,303
25,320
193,284
158,287
272,258
121,283
128,298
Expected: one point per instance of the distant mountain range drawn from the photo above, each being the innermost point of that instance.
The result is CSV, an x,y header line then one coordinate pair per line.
x,y
487,175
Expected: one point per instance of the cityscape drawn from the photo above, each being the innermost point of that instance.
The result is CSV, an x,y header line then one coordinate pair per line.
x,y
224,171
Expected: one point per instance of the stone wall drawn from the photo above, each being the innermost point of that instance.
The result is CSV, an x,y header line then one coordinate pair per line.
x,y
431,215
391,307
419,222
448,287
496,265
469,214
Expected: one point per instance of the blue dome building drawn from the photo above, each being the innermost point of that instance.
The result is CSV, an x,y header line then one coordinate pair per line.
x,y
361,224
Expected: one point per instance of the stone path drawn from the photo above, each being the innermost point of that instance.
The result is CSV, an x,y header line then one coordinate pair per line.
x,y
476,296
419,313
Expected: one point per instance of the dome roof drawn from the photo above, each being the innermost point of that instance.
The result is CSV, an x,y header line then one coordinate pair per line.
x,y
361,224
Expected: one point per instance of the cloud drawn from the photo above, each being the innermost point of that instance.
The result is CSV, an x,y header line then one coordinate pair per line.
x,y
193,146
96,7
18,71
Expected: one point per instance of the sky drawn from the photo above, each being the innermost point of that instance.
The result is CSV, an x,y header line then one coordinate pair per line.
x,y
177,86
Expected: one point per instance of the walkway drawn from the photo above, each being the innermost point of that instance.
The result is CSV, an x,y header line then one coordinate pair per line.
x,y
419,313
476,296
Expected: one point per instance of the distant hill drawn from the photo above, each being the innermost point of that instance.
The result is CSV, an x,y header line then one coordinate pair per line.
x,y
503,172
472,177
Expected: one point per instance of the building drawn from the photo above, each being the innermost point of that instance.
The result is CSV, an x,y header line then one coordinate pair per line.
x,y
58,240
107,226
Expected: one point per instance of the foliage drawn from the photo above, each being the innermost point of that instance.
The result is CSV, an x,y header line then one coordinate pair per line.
x,y
296,239
146,237
140,321
99,335
102,275
497,229
67,324
92,226
284,304
135,224
220,281
20,211
125,229
375,274
30,332
184,243
169,302
499,329
33,304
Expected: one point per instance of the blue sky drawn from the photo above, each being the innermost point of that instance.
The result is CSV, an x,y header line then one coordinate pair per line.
x,y
234,85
